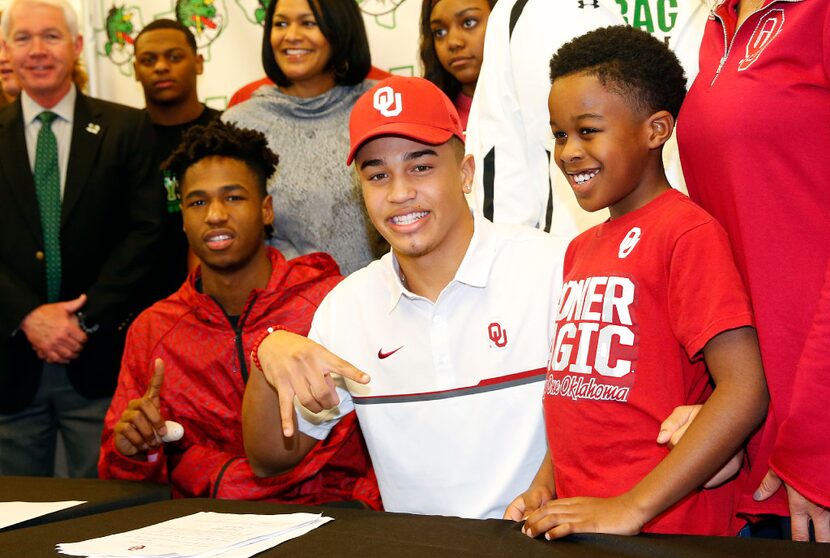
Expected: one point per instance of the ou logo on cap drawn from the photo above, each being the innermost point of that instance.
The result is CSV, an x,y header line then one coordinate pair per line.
x,y
387,102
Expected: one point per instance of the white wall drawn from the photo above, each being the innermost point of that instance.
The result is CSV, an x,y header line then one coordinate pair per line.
x,y
232,48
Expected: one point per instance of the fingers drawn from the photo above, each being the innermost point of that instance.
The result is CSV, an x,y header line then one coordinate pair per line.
x,y
727,472
286,398
769,485
72,306
345,369
678,420
134,433
516,510
74,333
58,354
154,389
553,522
150,413
821,525
802,513
126,440
800,526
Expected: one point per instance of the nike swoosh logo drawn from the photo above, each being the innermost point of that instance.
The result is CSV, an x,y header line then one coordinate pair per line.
x,y
382,355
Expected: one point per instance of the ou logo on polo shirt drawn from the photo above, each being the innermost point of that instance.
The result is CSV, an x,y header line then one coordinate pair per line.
x,y
497,334
387,102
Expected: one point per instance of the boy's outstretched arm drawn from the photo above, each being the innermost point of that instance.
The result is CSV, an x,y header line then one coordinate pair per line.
x,y
269,452
295,366
541,490
735,408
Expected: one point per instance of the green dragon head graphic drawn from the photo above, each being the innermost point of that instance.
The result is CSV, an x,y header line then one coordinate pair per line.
x,y
197,14
118,27
259,13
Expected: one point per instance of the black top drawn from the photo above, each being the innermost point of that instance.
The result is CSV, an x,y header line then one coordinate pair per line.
x,y
171,267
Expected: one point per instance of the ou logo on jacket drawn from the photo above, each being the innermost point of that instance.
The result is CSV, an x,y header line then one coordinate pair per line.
x,y
387,102
767,29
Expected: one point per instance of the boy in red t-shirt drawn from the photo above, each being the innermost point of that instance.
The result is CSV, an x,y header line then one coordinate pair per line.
x,y
651,299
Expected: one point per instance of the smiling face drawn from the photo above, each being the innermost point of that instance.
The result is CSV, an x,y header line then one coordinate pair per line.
x,y
414,194
608,149
300,49
458,35
224,214
166,66
42,51
8,80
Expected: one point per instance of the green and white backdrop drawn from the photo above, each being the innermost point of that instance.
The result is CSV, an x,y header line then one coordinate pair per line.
x,y
228,34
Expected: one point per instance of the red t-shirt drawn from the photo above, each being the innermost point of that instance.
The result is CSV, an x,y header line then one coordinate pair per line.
x,y
642,295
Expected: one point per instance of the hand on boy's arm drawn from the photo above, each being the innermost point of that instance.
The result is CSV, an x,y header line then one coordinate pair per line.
x,y
802,510
672,430
540,491
736,406
297,366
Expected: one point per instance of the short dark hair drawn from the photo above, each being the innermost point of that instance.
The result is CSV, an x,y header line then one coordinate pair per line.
x,y
433,70
342,26
628,61
168,24
223,139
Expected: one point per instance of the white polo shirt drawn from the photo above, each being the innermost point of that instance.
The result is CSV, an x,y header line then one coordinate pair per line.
x,y
452,416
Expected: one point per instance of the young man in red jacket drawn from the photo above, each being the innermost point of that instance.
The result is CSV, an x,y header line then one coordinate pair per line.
x,y
186,356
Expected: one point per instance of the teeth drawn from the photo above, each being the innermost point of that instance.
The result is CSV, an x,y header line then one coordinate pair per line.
x,y
219,238
293,51
584,177
409,218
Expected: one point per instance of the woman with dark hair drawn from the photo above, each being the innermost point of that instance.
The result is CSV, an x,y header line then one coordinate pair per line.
x,y
452,47
317,54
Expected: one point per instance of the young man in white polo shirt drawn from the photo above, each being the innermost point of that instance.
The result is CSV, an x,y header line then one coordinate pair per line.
x,y
453,327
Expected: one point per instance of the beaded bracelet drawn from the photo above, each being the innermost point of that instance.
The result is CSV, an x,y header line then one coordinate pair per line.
x,y
260,339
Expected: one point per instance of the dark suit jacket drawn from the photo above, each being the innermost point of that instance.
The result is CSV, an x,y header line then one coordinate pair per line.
x,y
110,224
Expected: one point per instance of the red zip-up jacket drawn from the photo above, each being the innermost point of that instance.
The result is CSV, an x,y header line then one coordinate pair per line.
x,y
206,367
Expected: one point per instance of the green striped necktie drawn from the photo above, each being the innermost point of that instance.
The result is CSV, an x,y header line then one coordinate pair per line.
x,y
48,184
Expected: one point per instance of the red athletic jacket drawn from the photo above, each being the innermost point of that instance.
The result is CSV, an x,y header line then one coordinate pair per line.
x,y
206,367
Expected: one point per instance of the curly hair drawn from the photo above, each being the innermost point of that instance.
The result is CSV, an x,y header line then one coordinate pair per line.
x,y
627,61
433,70
223,139
342,25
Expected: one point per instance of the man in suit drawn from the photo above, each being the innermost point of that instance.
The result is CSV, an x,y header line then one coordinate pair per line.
x,y
81,218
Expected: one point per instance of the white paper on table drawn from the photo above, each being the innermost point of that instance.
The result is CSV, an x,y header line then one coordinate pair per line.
x,y
203,534
12,513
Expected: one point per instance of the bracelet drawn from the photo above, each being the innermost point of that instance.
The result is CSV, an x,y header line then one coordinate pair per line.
x,y
260,339
88,329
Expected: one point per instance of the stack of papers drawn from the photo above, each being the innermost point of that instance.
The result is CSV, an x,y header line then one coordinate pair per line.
x,y
12,513
201,535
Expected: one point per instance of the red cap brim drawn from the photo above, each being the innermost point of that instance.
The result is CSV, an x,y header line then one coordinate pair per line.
x,y
417,132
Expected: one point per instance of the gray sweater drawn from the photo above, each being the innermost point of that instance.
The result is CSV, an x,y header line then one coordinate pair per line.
x,y
318,206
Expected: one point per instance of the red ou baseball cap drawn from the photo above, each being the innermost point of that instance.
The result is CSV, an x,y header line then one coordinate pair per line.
x,y
409,107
